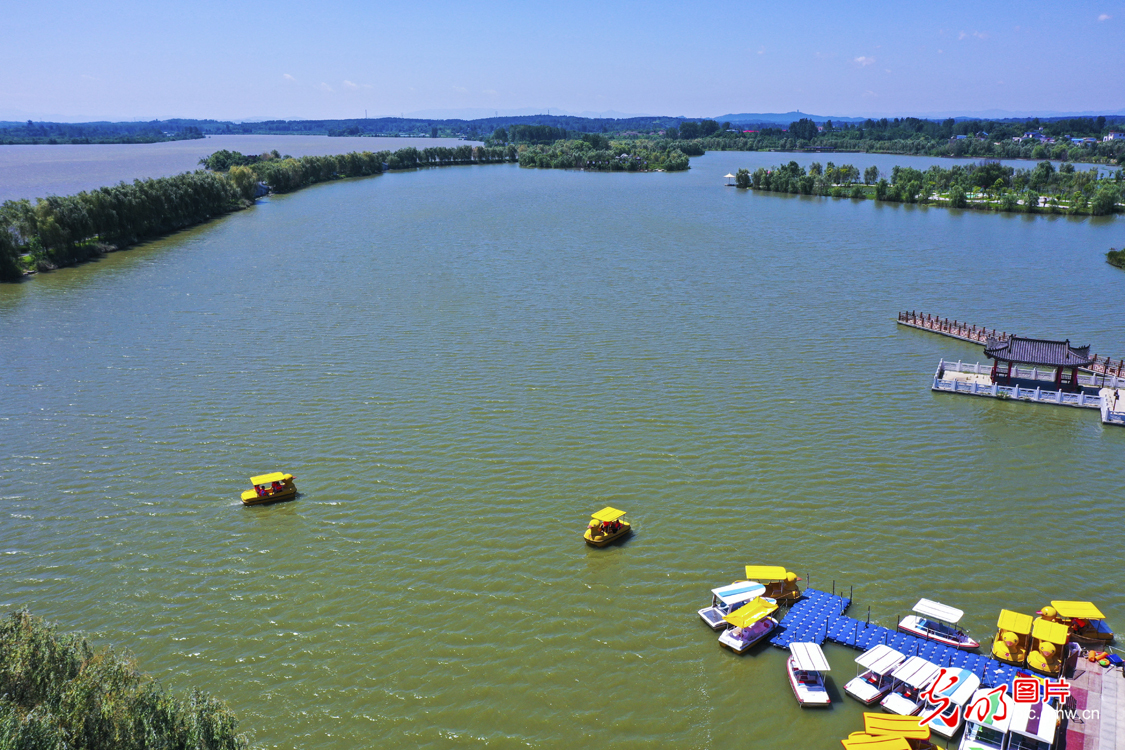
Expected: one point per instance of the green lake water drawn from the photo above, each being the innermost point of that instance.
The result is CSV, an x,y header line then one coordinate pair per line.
x,y
459,365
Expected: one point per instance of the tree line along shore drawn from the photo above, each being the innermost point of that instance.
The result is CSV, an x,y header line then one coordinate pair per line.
x,y
55,231
58,231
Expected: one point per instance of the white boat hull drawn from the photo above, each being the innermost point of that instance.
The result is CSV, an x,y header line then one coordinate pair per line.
x,y
915,625
808,687
742,642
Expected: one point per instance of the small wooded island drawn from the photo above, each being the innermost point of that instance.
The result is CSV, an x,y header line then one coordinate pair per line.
x,y
986,186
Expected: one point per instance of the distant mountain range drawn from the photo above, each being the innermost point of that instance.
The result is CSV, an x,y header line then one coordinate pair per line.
x,y
782,118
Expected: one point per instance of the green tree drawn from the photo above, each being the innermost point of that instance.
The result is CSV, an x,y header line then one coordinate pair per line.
x,y
742,178
9,257
957,197
244,181
870,175
1104,201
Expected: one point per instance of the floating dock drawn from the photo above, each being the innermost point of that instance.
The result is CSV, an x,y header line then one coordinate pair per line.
x,y
819,616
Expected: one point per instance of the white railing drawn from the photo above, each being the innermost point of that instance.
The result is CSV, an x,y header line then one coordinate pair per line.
x,y
1015,392
1045,375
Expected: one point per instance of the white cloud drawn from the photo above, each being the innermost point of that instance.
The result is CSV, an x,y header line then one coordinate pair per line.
x,y
350,85
491,92
869,93
1104,17
325,87
863,61
886,70
977,34
761,50
941,52
86,77
460,89
288,77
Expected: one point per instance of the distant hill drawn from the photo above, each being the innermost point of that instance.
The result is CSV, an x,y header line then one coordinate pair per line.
x,y
782,118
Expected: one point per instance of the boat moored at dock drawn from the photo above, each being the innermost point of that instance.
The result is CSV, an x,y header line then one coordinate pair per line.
x,y
937,622
748,625
875,682
1085,621
1034,726
607,526
1048,642
1013,637
806,666
727,599
270,488
951,691
987,718
781,584
910,679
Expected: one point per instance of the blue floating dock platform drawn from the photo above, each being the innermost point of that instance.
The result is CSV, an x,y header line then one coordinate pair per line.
x,y
819,616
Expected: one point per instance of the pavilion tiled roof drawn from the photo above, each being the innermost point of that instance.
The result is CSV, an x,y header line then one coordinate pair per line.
x,y
1038,352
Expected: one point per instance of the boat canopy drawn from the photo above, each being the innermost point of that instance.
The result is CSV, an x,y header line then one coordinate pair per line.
x,y
1037,720
909,727
1052,632
880,659
752,612
809,657
767,572
1014,621
915,672
864,741
737,593
938,611
1083,610
962,686
990,709
608,515
276,476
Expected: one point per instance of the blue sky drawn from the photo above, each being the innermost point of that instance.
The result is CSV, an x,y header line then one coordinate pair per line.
x,y
225,60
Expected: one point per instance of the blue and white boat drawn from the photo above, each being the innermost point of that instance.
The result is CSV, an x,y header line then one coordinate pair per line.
x,y
956,685
727,599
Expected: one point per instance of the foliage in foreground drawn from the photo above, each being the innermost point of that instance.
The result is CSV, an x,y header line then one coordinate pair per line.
x,y
987,186
56,692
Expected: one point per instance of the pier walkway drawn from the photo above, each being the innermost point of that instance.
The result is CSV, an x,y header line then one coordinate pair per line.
x,y
959,329
819,616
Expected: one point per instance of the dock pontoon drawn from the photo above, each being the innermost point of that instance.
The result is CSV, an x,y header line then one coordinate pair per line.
x,y
937,622
727,599
875,682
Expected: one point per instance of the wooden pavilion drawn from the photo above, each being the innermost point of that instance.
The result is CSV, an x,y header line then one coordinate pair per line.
x,y
1040,354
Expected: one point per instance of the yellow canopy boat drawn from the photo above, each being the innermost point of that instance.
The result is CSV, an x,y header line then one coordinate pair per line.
x,y
607,526
270,488
865,741
1086,622
780,583
1013,636
1048,640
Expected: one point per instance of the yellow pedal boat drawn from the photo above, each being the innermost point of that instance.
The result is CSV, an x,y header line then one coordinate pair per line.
x,y
607,527
270,488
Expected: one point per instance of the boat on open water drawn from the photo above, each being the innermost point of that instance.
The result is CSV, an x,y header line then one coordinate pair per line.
x,y
727,599
781,584
748,625
875,681
937,622
607,526
806,666
270,488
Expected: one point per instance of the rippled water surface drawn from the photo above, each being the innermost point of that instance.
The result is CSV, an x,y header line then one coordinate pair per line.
x,y
459,365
